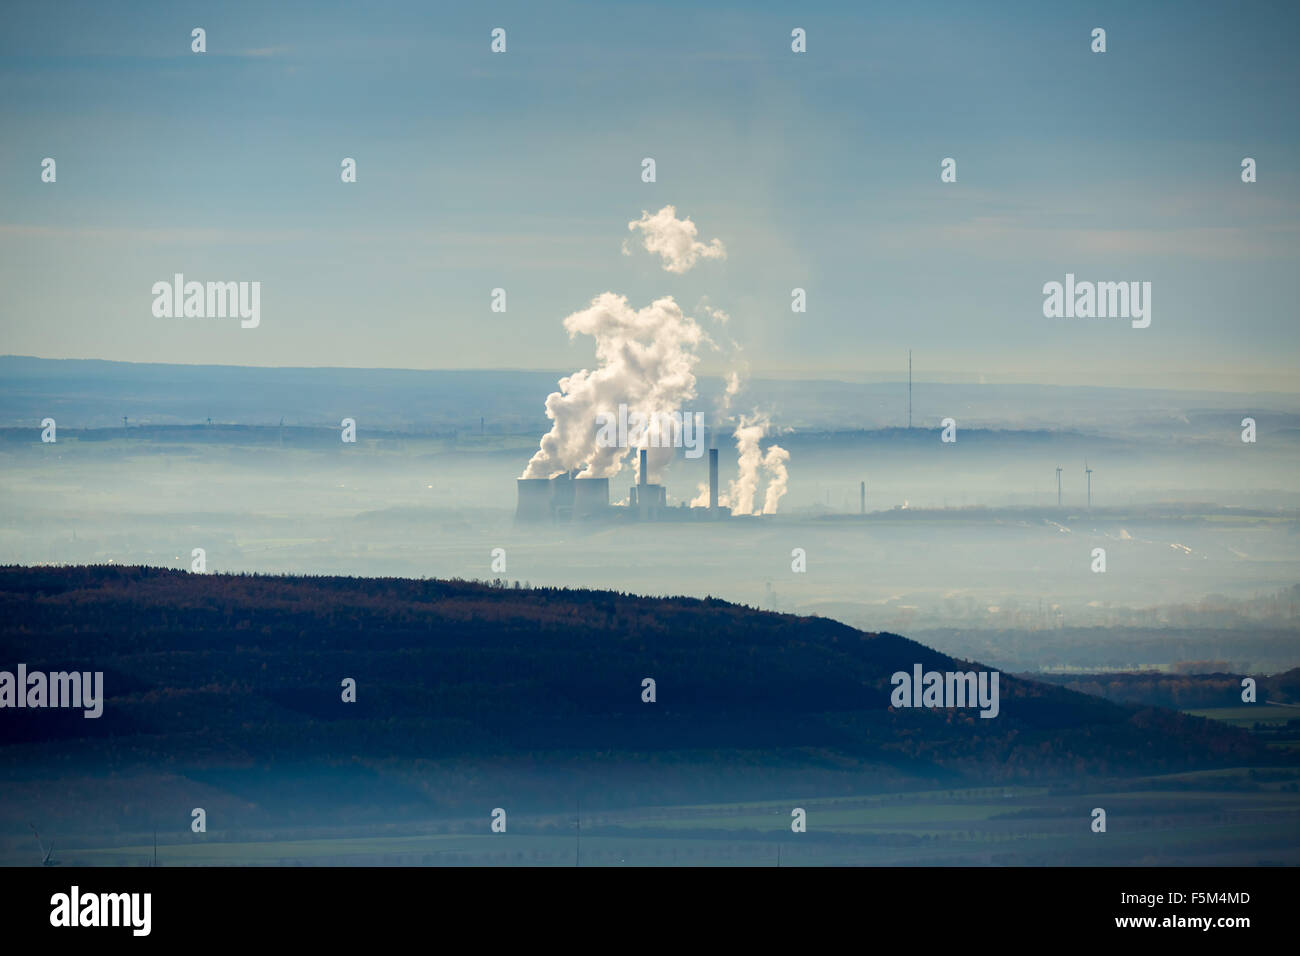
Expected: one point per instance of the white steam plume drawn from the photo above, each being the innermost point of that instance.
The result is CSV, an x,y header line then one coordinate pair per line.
x,y
673,240
733,387
647,361
752,463
749,458
777,477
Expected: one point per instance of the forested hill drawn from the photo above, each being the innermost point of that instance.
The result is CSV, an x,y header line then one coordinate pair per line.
x,y
216,669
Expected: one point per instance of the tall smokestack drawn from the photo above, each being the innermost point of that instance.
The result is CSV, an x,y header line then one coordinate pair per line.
x,y
642,477
713,479
862,507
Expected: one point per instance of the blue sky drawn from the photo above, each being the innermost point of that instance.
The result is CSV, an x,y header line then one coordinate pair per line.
x,y
522,170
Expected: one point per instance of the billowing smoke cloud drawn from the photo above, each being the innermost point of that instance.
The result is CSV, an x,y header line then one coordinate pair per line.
x,y
752,462
673,240
731,348
733,387
740,492
647,361
777,477
722,318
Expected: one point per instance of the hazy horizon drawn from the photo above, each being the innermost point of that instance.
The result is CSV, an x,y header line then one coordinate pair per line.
x,y
699,433
1204,383
821,171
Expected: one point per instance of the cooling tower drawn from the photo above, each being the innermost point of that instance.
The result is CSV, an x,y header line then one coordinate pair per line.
x,y
713,479
534,500
562,496
590,497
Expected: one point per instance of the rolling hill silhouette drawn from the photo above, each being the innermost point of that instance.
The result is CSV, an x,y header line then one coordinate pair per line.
x,y
462,687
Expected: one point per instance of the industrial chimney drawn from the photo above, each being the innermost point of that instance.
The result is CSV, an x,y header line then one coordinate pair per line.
x,y
713,480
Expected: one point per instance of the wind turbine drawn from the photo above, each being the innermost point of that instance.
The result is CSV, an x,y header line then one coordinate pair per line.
x,y
46,855
1058,484
1089,472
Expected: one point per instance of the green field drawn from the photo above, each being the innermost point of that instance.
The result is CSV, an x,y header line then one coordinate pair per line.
x,y
1250,714
1239,816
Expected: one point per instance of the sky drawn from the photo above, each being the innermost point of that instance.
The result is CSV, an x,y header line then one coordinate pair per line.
x,y
521,170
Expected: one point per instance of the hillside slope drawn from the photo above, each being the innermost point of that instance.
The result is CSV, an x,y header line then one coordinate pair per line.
x,y
464,689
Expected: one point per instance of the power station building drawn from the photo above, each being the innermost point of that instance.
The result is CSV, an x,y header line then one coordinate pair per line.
x,y
562,498
566,497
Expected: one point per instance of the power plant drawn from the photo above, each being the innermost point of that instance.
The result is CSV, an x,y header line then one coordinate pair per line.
x,y
566,497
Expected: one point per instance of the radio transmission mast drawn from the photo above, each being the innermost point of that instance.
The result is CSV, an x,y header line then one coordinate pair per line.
x,y
909,388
